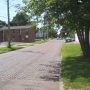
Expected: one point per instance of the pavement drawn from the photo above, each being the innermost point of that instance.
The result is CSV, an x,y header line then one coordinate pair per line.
x,y
32,68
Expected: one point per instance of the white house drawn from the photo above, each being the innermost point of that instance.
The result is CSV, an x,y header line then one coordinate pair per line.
x,y
76,38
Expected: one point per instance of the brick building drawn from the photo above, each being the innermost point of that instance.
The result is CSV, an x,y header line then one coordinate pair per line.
x,y
18,34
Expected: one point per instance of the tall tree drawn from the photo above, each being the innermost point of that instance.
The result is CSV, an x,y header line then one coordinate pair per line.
x,y
2,23
20,19
74,14
67,32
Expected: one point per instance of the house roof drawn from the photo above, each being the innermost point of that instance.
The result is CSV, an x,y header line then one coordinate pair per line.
x,y
14,28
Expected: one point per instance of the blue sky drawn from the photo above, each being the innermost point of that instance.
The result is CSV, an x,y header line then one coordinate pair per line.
x,y
3,9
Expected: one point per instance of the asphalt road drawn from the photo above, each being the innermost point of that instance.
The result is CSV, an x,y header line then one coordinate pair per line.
x,y
32,68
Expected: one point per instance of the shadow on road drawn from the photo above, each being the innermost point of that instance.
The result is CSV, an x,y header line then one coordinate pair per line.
x,y
52,73
33,52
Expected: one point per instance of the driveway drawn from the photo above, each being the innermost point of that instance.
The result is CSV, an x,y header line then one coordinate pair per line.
x,y
32,68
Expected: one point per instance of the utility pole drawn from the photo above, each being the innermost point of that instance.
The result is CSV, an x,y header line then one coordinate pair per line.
x,y
8,14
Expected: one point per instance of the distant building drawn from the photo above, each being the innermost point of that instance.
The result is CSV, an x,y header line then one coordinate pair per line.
x,y
18,34
76,38
39,34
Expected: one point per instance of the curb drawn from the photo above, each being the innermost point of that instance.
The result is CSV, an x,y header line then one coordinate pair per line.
x,y
61,85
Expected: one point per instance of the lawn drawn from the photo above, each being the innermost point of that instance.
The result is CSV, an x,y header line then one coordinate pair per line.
x,y
75,68
15,46
5,49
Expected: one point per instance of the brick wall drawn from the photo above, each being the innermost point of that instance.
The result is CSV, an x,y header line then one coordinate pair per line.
x,y
24,35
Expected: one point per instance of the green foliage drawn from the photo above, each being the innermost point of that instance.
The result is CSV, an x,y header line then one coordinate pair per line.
x,y
33,24
2,23
20,19
71,14
66,32
5,49
52,33
63,12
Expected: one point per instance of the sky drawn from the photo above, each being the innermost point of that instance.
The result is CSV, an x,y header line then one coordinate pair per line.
x,y
13,9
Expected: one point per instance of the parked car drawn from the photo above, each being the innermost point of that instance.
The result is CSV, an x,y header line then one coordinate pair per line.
x,y
68,39
58,38
73,39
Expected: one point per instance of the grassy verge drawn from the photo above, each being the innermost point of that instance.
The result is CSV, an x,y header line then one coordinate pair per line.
x,y
5,49
22,45
75,68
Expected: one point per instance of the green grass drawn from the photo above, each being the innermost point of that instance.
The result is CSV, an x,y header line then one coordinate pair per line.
x,y
70,50
19,46
75,68
5,49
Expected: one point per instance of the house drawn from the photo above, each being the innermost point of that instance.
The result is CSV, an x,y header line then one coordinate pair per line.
x,y
76,38
18,34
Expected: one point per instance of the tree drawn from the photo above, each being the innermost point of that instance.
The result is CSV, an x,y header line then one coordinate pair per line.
x,y
20,19
76,16
73,14
67,32
52,33
33,24
2,23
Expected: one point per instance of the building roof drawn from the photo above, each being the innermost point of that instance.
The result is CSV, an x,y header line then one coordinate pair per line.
x,y
15,28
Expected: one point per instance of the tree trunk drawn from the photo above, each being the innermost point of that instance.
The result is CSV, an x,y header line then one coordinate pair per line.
x,y
87,42
81,40
83,36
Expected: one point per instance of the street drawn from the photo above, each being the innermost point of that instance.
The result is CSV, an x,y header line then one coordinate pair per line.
x,y
32,68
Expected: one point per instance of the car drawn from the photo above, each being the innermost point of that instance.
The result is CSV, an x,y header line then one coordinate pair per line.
x,y
73,39
58,38
68,39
